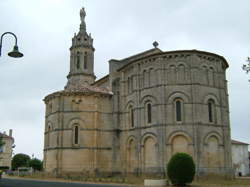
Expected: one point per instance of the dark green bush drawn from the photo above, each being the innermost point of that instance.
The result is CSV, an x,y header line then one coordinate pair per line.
x,y
20,160
36,164
181,169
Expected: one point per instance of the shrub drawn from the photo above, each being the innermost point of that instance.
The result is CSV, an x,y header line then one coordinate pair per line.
x,y
36,164
181,169
20,160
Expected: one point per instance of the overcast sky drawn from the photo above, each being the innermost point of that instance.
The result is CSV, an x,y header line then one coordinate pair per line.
x,y
120,28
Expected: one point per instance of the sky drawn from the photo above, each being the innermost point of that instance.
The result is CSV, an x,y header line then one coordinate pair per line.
x,y
120,29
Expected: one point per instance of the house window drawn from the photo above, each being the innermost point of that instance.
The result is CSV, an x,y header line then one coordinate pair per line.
x,y
149,113
211,112
76,135
178,110
85,61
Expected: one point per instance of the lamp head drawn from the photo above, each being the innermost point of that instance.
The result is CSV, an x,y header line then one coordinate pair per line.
x,y
15,53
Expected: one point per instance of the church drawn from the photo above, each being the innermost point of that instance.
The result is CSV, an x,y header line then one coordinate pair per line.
x,y
150,106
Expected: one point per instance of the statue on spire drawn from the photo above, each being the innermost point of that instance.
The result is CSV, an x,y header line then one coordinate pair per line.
x,y
82,15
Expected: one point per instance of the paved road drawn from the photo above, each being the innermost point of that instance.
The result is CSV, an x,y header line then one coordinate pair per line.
x,y
34,183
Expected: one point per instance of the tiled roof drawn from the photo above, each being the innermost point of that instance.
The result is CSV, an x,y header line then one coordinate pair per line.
x,y
81,89
5,136
238,142
87,88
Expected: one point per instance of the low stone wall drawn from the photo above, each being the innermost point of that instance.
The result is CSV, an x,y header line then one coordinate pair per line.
x,y
154,182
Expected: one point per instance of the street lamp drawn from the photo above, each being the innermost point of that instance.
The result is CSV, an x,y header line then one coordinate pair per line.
x,y
15,53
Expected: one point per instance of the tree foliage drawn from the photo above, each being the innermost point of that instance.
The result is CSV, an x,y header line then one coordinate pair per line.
x,y
181,169
1,144
20,160
1,141
36,164
246,67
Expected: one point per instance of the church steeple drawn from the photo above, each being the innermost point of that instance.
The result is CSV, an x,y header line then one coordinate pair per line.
x,y
81,57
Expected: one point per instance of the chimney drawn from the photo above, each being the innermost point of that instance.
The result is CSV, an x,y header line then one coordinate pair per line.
x,y
10,132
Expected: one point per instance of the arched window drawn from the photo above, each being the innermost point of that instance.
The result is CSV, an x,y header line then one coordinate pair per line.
x,y
78,60
76,134
178,110
48,136
149,113
85,60
211,111
131,116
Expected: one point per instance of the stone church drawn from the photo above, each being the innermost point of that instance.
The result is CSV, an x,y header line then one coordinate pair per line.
x,y
150,106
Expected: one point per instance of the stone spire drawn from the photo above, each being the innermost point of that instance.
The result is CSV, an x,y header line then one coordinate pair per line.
x,y
81,57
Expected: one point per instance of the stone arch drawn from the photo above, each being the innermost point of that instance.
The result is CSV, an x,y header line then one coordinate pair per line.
x,y
211,71
178,94
212,67
204,73
129,114
181,73
177,110
211,111
49,126
49,137
129,103
182,63
131,149
74,121
173,65
210,96
180,141
76,124
149,152
215,134
213,153
171,73
147,98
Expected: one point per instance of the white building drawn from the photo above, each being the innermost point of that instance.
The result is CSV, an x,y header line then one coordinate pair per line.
x,y
240,158
6,150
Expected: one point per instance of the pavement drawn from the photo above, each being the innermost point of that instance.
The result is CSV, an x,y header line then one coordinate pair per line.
x,y
14,182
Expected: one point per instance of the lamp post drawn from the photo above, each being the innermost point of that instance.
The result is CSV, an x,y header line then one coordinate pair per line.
x,y
15,53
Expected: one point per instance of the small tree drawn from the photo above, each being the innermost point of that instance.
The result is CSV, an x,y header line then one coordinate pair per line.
x,y
20,160
36,164
246,67
181,169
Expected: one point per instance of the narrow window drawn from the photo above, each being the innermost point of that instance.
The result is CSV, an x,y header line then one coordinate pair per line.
x,y
85,60
131,117
211,111
149,109
178,110
48,135
129,85
78,60
144,78
76,135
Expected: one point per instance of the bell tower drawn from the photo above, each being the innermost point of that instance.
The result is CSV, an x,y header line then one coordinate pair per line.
x,y
81,57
